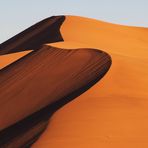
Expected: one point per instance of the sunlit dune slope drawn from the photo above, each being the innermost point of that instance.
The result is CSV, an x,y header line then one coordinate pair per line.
x,y
5,60
114,112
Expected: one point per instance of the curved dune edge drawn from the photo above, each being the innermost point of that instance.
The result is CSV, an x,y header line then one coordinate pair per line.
x,y
45,71
39,84
114,112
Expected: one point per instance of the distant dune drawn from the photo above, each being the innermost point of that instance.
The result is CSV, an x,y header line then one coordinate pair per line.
x,y
113,113
46,31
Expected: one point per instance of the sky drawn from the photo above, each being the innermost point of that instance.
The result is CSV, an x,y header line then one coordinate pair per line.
x,y
17,15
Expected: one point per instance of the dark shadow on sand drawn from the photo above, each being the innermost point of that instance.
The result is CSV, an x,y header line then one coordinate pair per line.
x,y
38,120
46,31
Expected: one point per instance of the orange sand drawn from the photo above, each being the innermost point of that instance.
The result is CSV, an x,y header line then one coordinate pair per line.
x,y
113,113
7,59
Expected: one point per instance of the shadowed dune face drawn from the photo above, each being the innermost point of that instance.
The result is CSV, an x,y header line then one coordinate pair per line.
x,y
46,31
114,112
44,77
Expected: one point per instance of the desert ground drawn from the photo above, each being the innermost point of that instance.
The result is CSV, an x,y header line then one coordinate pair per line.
x,y
114,112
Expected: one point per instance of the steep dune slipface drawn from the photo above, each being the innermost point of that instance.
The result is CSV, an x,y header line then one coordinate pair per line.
x,y
42,78
42,73
114,112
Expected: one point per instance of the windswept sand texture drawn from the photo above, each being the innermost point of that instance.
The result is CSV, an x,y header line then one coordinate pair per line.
x,y
112,114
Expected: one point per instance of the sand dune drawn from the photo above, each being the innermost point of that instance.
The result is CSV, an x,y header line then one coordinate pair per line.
x,y
40,74
43,77
113,113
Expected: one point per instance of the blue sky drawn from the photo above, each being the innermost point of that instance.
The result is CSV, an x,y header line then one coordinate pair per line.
x,y
17,15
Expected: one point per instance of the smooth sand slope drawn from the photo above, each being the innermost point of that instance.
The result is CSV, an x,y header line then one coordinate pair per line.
x,y
113,113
